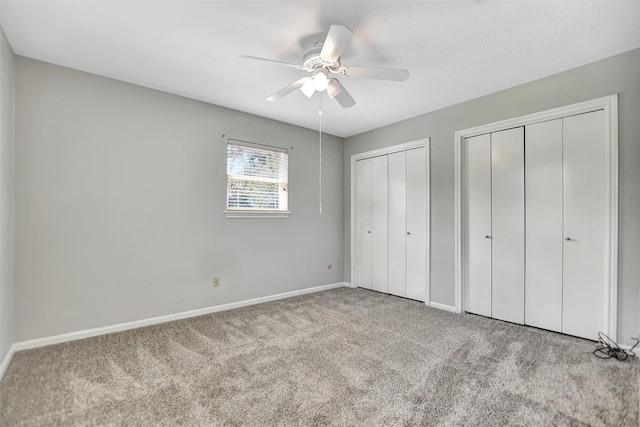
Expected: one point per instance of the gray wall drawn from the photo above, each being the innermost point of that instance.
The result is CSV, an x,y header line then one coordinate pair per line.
x,y
7,324
120,198
619,74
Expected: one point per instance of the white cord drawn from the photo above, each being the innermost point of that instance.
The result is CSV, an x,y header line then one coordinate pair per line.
x,y
320,113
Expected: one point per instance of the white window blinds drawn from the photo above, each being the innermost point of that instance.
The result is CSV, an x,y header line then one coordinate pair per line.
x,y
257,177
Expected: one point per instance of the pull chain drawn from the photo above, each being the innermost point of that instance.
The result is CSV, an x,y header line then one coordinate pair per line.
x,y
320,113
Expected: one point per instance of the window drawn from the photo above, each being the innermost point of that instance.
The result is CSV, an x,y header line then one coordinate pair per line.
x,y
257,181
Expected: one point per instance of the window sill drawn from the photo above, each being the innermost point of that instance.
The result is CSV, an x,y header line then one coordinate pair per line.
x,y
257,214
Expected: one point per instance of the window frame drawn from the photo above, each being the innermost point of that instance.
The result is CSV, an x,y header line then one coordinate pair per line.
x,y
243,212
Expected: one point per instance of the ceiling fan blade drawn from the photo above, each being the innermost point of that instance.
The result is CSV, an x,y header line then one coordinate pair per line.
x,y
299,67
342,96
287,90
337,40
393,74
333,88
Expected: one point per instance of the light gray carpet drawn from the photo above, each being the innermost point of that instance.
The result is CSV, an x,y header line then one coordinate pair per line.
x,y
340,357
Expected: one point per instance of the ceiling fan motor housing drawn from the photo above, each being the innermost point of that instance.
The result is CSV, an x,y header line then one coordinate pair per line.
x,y
313,61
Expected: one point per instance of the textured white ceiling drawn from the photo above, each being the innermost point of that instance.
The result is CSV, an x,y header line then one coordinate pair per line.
x,y
454,50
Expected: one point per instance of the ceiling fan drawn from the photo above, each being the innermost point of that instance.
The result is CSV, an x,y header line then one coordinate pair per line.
x,y
322,61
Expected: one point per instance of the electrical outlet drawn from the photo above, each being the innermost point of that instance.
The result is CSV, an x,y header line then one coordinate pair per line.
x,y
216,280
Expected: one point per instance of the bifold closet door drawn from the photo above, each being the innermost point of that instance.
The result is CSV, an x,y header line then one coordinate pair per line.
x,y
379,224
494,220
585,217
407,223
477,224
363,223
416,231
507,225
544,194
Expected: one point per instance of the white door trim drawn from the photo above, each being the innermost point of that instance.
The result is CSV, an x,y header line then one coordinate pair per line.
x,y
610,106
423,142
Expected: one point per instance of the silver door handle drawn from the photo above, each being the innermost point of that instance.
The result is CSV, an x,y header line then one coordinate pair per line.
x,y
369,231
568,239
487,237
408,234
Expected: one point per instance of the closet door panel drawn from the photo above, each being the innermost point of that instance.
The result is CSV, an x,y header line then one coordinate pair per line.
x,y
543,185
397,223
507,225
417,224
379,224
363,223
477,224
585,244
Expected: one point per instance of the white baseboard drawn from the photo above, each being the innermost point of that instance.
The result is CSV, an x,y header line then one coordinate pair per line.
x,y
349,285
87,333
444,307
7,360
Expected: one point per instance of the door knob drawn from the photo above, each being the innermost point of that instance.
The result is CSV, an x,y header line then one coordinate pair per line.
x,y
408,233
568,239
487,237
369,231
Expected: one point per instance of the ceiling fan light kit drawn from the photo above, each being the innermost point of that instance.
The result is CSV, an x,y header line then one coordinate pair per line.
x,y
323,60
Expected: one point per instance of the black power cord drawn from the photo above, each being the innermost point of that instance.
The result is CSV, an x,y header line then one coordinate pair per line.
x,y
608,349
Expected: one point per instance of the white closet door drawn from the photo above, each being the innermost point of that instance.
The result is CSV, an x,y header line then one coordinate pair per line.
x,y
543,183
417,224
379,224
585,245
398,223
507,225
363,223
477,224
